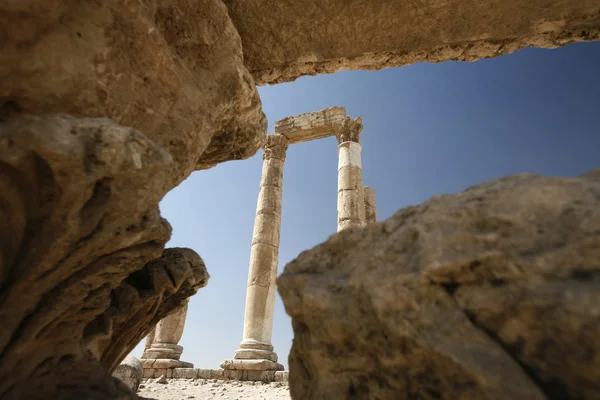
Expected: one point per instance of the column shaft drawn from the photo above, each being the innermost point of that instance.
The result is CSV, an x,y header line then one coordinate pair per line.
x,y
370,206
256,350
351,203
260,297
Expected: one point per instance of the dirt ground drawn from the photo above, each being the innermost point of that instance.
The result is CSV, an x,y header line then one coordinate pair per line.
x,y
187,389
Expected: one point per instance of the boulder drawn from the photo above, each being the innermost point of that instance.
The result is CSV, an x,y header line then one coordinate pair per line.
x,y
491,293
130,372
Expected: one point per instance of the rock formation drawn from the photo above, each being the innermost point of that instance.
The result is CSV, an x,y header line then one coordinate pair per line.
x,y
286,39
170,69
492,293
83,274
130,372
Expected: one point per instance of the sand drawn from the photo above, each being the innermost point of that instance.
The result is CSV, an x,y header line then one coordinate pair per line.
x,y
187,389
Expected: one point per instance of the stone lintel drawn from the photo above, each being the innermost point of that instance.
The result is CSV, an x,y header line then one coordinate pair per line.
x,y
311,126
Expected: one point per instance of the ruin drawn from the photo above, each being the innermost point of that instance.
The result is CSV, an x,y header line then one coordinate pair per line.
x,y
106,106
255,358
256,351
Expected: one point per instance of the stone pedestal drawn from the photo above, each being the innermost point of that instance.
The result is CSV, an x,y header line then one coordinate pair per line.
x,y
256,352
370,206
351,202
162,350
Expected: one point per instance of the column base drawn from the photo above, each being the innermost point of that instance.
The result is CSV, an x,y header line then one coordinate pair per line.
x,y
253,356
163,351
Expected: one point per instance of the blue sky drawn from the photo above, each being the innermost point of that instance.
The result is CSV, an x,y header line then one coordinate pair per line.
x,y
428,129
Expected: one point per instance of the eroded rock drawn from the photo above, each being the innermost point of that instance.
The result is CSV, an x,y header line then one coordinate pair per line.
x,y
83,274
171,69
130,372
491,293
287,39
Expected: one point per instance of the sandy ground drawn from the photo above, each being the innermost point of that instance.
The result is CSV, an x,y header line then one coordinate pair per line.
x,y
183,389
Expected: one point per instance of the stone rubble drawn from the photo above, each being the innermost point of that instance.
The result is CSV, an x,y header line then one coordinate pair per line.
x,y
180,389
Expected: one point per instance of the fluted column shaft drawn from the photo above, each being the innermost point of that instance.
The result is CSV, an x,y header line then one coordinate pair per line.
x,y
351,202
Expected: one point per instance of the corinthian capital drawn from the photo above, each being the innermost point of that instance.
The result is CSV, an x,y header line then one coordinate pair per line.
x,y
349,130
275,147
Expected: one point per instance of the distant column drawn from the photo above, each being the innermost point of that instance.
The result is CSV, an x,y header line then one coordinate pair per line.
x,y
351,203
162,349
256,351
370,206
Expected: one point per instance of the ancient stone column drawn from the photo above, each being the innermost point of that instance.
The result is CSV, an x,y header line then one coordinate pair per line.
x,y
351,203
162,349
256,351
370,207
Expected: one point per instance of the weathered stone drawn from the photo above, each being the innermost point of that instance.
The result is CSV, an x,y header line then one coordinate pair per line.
x,y
130,372
171,69
185,373
351,200
161,349
252,365
162,379
491,293
311,126
287,39
370,206
260,296
81,234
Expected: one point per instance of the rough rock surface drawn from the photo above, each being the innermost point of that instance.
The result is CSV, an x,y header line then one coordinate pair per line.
x,y
285,39
491,293
130,372
83,274
171,69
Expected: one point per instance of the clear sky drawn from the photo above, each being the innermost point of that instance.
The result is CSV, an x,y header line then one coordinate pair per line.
x,y
428,129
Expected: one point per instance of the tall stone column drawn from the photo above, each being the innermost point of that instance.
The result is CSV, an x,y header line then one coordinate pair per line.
x,y
256,351
351,203
162,349
370,206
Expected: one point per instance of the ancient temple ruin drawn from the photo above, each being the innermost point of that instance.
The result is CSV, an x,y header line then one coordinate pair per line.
x,y
355,208
107,106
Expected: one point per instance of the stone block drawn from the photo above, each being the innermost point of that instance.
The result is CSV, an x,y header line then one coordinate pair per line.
x,y
233,374
350,178
267,229
252,365
351,205
281,376
311,126
185,373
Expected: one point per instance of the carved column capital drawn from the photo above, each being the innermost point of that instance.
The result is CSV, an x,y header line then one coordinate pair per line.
x,y
349,130
275,147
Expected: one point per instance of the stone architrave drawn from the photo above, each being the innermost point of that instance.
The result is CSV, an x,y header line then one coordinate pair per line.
x,y
256,351
351,202
370,206
162,349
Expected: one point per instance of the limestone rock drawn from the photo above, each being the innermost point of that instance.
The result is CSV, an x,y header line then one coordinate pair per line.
x,y
172,69
491,293
83,274
162,379
286,39
130,372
